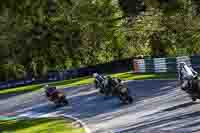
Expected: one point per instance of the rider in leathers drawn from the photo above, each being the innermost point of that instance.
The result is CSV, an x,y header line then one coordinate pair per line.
x,y
186,75
108,83
51,92
99,81
112,83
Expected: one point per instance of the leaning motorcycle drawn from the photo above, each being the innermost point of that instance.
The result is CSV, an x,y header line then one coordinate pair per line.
x,y
117,89
58,99
123,93
194,89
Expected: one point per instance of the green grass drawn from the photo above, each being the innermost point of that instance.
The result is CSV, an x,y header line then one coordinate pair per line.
x,y
59,84
87,80
23,89
41,125
131,76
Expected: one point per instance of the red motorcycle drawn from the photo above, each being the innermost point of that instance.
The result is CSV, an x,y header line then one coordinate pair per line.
x,y
57,97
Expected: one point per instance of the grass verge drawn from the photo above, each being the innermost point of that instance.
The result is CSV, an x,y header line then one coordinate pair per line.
x,y
88,80
145,76
41,125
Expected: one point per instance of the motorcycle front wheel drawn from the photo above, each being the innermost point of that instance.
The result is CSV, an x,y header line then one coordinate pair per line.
x,y
66,102
63,100
126,99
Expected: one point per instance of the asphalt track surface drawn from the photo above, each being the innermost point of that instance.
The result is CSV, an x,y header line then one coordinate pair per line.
x,y
158,105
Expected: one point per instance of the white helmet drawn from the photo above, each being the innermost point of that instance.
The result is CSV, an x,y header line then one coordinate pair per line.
x,y
46,86
95,75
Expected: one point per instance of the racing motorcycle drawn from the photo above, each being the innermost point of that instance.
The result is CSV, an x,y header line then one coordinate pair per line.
x,y
58,98
194,89
123,93
116,88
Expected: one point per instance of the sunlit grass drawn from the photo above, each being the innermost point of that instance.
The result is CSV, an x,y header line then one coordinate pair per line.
x,y
42,125
143,76
24,89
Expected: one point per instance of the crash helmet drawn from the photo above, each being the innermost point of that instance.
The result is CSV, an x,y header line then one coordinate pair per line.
x,y
95,75
49,88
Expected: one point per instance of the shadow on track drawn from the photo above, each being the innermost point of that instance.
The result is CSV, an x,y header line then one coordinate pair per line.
x,y
150,88
85,102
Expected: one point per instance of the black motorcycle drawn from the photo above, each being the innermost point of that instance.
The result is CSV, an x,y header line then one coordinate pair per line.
x,y
115,87
193,88
123,93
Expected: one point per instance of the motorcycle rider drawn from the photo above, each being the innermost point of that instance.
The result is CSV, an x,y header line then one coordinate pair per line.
x,y
99,79
100,82
107,82
51,92
113,82
186,75
55,96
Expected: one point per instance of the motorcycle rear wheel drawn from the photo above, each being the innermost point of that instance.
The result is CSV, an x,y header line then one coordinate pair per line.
x,y
66,102
125,99
194,99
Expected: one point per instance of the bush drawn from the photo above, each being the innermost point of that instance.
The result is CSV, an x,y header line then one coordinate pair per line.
x,y
12,71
